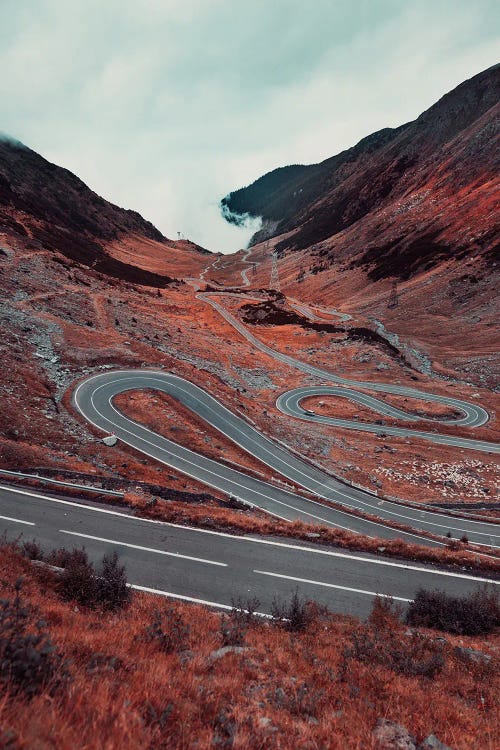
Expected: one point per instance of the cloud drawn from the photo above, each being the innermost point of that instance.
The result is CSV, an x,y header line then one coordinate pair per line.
x,y
167,105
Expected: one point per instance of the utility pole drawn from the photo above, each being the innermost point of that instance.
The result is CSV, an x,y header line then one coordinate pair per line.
x,y
178,235
275,279
394,297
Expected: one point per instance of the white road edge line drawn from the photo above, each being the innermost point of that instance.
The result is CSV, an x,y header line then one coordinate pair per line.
x,y
191,599
332,586
144,549
158,377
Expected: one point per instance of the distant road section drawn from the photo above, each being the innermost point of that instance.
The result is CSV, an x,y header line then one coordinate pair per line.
x,y
472,415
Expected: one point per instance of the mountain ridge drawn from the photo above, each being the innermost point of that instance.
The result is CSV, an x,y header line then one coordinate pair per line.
x,y
56,210
451,144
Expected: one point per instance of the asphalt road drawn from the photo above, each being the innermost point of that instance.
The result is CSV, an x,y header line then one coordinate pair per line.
x,y
471,415
94,399
214,568
304,309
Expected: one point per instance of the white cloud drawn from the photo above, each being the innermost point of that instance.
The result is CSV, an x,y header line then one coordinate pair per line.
x,y
166,105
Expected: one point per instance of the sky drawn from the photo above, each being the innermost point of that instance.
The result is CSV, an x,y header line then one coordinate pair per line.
x,y
165,106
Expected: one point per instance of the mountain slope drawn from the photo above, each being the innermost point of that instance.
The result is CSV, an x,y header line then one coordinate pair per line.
x,y
408,195
57,211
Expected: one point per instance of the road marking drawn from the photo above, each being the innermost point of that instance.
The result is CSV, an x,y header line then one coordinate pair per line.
x,y
475,415
332,586
255,540
144,549
17,520
191,599
252,439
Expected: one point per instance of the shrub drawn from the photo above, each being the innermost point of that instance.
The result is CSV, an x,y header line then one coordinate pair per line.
x,y
385,613
417,656
111,584
295,615
475,614
80,582
32,550
168,630
382,642
233,628
29,661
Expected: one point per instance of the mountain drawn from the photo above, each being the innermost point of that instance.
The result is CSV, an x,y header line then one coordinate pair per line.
x,y
56,210
399,201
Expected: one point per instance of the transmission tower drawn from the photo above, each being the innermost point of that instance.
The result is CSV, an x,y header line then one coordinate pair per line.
x,y
275,279
394,297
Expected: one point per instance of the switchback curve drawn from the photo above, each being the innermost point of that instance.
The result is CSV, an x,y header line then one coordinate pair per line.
x,y
94,399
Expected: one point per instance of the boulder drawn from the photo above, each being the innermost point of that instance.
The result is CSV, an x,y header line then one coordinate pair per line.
x,y
432,743
110,440
472,654
391,736
221,652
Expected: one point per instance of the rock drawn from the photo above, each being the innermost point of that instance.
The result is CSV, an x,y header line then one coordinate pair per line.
x,y
186,656
432,743
221,652
382,366
264,722
280,695
391,736
472,654
110,440
46,566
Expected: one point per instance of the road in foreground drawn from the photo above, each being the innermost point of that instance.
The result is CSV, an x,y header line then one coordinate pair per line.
x,y
215,568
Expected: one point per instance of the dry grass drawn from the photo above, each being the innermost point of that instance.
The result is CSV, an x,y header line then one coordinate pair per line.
x,y
304,689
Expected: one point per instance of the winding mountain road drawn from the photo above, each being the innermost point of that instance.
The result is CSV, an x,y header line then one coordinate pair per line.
x,y
94,399
472,415
215,568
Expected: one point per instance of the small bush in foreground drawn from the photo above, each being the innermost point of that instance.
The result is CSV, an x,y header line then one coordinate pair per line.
x,y
381,642
168,630
233,628
295,615
78,578
475,614
106,587
112,589
29,662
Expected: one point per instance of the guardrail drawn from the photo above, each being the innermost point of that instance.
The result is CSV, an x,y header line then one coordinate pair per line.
x,y
46,480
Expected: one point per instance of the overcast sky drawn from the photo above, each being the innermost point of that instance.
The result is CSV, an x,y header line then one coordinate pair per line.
x,y
165,106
